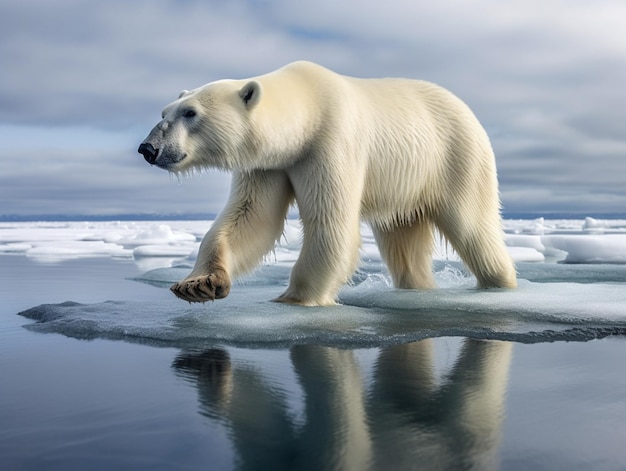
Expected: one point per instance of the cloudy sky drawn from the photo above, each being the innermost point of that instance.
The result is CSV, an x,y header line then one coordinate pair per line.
x,y
82,83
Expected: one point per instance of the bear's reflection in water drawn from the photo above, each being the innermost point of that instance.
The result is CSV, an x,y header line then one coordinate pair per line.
x,y
406,419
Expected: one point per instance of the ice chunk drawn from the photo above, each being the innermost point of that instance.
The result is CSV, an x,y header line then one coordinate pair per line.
x,y
158,234
526,241
537,226
575,241
593,225
608,248
76,249
161,250
15,247
525,254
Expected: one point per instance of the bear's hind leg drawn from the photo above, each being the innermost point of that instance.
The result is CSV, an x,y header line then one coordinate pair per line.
x,y
407,252
480,244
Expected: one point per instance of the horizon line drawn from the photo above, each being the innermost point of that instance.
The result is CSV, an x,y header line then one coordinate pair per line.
x,y
291,215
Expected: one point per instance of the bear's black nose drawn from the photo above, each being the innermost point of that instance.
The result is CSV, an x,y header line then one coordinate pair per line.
x,y
149,152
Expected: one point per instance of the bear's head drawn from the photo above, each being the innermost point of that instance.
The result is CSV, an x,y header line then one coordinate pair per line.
x,y
206,127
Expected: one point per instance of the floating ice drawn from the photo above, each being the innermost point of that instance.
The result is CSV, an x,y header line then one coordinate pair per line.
x,y
62,250
540,240
593,225
595,246
607,248
555,301
157,234
56,241
604,226
372,314
525,254
525,241
15,247
161,250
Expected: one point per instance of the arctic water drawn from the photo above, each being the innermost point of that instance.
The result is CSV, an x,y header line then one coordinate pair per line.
x,y
102,368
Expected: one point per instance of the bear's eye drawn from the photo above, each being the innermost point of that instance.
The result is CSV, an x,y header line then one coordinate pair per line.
x,y
189,113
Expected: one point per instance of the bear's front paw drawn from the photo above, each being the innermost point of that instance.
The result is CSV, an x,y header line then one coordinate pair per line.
x,y
200,289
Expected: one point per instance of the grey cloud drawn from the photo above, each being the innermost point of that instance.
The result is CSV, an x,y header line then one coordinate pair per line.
x,y
109,182
112,63
546,82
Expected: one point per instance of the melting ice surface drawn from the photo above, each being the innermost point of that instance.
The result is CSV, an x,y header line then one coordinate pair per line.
x,y
572,287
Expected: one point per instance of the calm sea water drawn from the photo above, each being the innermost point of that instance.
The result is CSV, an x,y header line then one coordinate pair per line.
x,y
446,403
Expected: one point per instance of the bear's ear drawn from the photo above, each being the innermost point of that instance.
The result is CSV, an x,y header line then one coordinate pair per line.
x,y
182,93
250,93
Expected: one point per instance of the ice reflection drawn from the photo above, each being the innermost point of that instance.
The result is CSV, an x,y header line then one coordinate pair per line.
x,y
406,419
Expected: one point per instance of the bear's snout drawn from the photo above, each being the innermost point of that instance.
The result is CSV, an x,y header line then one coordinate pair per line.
x,y
149,152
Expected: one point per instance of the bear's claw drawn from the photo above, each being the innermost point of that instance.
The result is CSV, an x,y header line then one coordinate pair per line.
x,y
200,289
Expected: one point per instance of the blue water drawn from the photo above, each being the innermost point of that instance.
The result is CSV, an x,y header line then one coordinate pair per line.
x,y
131,378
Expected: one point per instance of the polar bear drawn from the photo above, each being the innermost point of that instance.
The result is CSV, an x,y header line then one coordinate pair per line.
x,y
403,155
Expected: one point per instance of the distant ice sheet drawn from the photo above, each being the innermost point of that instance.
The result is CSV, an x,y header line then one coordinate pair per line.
x,y
570,241
57,241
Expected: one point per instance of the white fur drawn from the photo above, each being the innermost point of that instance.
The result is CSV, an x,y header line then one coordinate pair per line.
x,y
404,155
